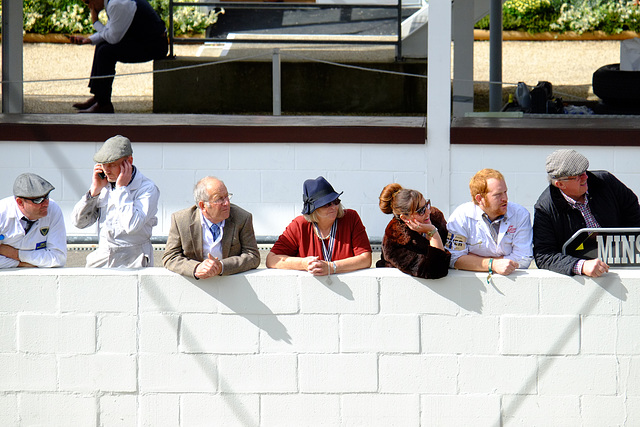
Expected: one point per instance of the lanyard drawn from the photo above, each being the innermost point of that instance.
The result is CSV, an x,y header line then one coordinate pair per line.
x,y
328,253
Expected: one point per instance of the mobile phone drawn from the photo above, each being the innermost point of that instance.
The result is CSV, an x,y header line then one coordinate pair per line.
x,y
102,175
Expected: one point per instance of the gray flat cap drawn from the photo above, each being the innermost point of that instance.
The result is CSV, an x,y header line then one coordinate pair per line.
x,y
113,149
563,163
31,186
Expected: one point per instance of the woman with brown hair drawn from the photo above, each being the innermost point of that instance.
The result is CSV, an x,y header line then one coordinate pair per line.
x,y
413,239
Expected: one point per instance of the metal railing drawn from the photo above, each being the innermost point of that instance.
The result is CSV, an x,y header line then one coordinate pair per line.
x,y
397,41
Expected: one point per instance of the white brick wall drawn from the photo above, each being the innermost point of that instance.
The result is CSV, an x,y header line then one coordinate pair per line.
x,y
281,348
267,179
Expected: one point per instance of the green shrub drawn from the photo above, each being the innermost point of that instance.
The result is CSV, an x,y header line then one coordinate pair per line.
x,y
186,19
72,16
533,16
580,16
591,15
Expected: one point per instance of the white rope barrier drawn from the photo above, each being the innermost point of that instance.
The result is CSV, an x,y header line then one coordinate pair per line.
x,y
270,53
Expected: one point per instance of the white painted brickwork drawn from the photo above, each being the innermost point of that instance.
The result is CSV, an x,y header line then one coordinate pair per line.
x,y
266,179
105,348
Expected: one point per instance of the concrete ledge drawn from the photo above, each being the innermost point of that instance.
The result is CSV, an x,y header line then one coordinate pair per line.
x,y
269,347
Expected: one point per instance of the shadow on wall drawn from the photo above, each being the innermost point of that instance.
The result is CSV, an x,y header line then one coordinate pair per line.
x,y
468,296
242,299
610,283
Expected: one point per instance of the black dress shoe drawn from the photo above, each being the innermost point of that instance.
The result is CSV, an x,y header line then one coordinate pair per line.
x,y
87,104
99,108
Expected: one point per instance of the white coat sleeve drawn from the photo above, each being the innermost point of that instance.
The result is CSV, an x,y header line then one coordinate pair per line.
x,y
86,211
457,237
522,251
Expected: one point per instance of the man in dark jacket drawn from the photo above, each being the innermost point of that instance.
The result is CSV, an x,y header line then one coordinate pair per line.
x,y
575,199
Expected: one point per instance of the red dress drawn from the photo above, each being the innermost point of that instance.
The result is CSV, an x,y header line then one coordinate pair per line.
x,y
300,240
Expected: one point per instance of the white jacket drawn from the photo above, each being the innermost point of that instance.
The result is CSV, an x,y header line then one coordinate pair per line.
x,y
126,217
46,243
470,234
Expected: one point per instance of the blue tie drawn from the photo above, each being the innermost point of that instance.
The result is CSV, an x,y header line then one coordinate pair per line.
x,y
215,230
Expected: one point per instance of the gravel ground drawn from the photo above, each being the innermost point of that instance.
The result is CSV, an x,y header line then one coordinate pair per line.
x,y
568,65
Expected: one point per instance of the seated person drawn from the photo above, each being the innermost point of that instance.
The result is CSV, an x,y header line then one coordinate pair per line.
x,y
326,239
413,239
212,237
577,198
489,234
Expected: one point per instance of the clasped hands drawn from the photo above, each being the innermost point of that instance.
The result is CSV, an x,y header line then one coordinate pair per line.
x,y
316,266
210,267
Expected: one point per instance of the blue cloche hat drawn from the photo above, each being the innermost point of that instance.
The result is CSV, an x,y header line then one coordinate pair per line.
x,y
317,193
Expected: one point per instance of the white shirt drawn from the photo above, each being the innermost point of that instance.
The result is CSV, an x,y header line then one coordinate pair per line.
x,y
120,14
45,245
209,246
470,234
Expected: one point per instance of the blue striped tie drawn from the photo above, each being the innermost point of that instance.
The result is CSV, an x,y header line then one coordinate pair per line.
x,y
215,230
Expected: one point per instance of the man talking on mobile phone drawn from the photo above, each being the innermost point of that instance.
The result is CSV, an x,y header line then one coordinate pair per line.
x,y
124,203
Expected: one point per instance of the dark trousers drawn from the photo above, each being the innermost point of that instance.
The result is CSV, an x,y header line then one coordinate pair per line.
x,y
127,51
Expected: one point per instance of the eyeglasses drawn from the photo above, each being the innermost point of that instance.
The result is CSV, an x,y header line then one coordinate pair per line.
x,y
37,200
222,200
423,209
336,202
573,178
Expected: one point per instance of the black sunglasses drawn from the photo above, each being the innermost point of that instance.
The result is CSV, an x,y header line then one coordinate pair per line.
x,y
423,209
335,202
37,200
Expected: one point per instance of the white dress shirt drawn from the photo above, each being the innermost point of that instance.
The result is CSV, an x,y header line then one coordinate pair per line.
x,y
209,246
120,14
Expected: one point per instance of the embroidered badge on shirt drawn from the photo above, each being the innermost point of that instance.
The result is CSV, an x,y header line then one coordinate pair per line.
x,y
511,229
44,231
456,242
41,245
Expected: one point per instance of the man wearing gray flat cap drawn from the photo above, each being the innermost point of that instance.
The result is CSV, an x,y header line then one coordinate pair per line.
x,y
577,198
32,231
124,203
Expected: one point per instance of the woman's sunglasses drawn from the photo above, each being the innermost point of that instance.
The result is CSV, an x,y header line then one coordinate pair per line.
x,y
423,209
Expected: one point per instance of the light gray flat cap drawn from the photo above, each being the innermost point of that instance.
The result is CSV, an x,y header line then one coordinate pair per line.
x,y
113,149
31,186
563,163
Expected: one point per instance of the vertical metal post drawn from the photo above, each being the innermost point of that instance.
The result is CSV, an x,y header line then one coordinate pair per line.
x,y
399,30
12,60
462,27
171,28
277,102
495,56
